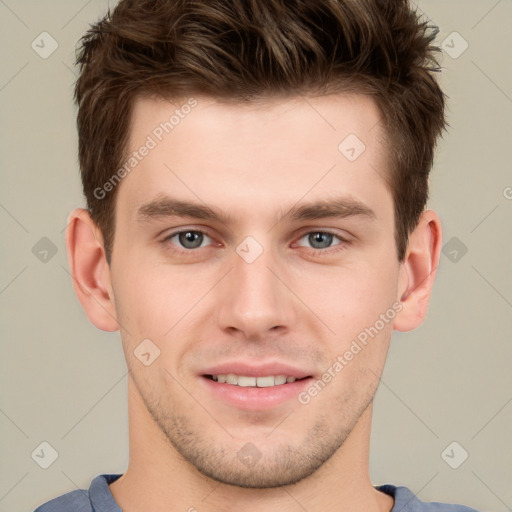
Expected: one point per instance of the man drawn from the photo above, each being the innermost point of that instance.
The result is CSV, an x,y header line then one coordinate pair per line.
x,y
256,175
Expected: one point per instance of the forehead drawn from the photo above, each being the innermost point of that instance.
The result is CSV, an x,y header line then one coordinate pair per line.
x,y
329,116
276,151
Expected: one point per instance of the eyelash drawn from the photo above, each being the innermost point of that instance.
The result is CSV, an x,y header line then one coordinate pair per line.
x,y
328,251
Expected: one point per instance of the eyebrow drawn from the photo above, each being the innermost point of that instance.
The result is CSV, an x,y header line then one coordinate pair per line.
x,y
341,207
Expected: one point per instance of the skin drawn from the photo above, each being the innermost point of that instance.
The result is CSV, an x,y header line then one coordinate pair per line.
x,y
299,302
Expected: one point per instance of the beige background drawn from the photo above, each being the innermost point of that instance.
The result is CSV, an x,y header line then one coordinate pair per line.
x,y
64,382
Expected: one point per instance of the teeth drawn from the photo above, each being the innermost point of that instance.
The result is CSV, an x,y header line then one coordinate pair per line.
x,y
280,379
231,379
246,381
260,382
266,382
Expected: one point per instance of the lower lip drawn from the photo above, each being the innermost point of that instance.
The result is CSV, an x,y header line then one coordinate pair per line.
x,y
254,398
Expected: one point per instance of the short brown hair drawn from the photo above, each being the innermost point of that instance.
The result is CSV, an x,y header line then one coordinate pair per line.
x,y
248,50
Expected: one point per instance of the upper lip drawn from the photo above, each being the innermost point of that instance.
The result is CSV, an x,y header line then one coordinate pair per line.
x,y
261,370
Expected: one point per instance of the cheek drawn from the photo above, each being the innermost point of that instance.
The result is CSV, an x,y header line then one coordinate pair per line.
x,y
351,303
348,300
140,300
153,298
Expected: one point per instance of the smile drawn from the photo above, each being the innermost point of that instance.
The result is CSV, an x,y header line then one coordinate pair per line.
x,y
254,393
248,381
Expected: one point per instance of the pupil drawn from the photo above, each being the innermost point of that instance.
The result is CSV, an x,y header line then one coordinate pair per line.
x,y
317,237
190,239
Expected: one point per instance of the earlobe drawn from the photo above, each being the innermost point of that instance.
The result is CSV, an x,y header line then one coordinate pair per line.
x,y
417,272
89,270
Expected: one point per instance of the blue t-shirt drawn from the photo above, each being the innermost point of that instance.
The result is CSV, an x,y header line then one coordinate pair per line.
x,y
99,499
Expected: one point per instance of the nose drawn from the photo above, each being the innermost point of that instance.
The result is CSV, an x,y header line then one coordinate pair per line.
x,y
254,297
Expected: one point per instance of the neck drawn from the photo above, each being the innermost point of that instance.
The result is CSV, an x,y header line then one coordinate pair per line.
x,y
158,478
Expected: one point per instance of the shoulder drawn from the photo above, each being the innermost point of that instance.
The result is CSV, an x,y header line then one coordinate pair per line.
x,y
81,500
76,501
407,501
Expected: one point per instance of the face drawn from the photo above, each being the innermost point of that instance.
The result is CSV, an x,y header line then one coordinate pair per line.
x,y
286,266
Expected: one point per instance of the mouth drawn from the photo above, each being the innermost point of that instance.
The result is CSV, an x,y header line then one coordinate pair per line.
x,y
265,381
254,393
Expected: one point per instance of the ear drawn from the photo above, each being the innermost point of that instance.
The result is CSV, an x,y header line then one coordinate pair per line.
x,y
90,270
418,271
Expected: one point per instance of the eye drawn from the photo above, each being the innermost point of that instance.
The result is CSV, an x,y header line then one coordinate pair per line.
x,y
322,240
187,240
